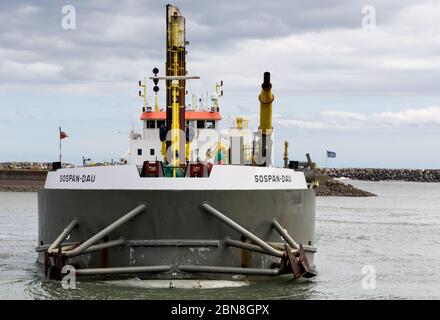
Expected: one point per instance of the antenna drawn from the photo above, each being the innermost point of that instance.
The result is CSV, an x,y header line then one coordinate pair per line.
x,y
217,87
218,93
144,94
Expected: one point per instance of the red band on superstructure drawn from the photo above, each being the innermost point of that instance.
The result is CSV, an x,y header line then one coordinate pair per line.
x,y
189,115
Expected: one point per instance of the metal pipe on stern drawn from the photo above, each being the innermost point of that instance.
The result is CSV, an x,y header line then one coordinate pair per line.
x,y
284,234
235,226
122,270
102,246
128,216
249,247
54,246
231,270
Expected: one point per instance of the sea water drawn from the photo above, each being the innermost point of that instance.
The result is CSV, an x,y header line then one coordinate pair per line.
x,y
384,247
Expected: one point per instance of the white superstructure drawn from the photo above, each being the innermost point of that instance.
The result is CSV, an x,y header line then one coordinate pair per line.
x,y
148,146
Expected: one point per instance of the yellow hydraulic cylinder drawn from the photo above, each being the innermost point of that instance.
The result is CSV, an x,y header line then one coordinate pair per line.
x,y
187,151
266,98
156,103
163,150
286,154
175,128
239,122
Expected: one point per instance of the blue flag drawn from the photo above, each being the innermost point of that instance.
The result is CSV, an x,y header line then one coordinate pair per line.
x,y
331,154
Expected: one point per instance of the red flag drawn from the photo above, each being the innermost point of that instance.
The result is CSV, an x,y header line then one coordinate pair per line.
x,y
63,135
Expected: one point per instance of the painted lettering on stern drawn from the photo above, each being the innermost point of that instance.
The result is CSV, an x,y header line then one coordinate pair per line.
x,y
260,178
78,178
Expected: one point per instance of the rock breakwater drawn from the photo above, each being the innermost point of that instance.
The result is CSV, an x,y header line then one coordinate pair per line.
x,y
375,174
334,188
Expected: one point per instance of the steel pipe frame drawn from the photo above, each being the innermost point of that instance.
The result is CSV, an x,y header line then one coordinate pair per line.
x,y
280,246
54,245
174,243
250,247
97,247
122,270
231,270
235,226
45,247
86,244
284,234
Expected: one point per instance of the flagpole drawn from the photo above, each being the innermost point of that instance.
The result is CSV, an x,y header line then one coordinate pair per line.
x,y
60,145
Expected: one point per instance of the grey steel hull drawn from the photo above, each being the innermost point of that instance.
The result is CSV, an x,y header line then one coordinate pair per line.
x,y
173,230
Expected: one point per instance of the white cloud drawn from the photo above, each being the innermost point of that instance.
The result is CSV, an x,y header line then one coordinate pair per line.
x,y
348,121
400,56
344,115
310,124
11,70
418,17
27,10
423,116
317,53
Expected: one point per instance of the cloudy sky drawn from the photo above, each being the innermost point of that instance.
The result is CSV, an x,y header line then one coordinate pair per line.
x,y
369,94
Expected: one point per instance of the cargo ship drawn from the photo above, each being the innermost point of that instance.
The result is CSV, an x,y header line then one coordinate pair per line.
x,y
179,208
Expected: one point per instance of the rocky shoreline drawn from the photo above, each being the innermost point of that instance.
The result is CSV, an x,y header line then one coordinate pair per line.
x,y
334,188
374,174
9,188
22,180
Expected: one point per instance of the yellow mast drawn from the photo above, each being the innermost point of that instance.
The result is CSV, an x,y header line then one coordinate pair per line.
x,y
175,105
176,71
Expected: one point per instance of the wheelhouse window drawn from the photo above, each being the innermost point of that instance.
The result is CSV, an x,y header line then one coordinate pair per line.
x,y
151,124
210,124
200,124
151,152
139,152
160,123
